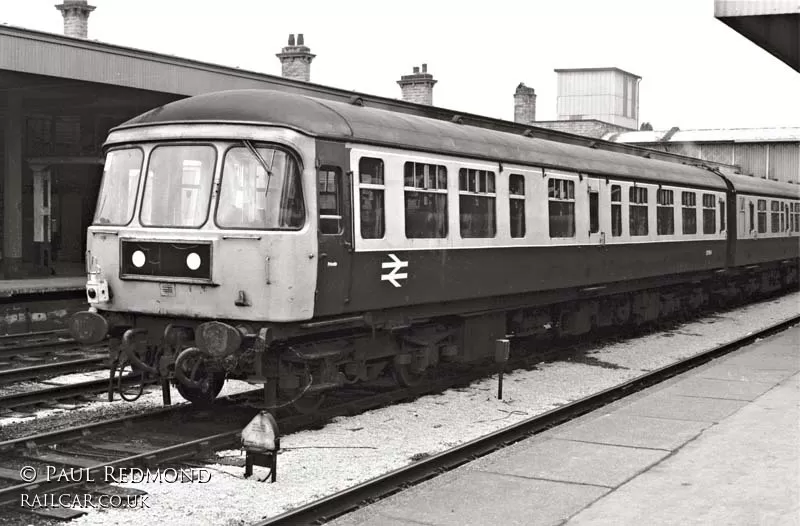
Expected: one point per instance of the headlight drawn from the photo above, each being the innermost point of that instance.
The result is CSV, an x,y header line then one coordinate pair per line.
x,y
97,291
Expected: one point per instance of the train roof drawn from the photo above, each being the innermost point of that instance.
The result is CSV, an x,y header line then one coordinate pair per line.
x,y
354,123
746,184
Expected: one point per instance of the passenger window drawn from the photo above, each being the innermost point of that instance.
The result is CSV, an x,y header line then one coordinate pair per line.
x,y
689,212
594,212
638,211
665,213
561,197
709,214
425,200
616,210
776,213
762,216
752,217
783,216
516,195
371,195
721,215
476,203
797,217
330,200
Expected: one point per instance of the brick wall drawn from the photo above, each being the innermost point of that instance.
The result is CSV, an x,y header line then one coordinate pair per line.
x,y
421,93
296,59
76,24
296,68
76,17
418,87
524,105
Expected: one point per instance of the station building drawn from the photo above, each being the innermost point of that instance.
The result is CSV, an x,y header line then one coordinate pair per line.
x,y
768,153
61,94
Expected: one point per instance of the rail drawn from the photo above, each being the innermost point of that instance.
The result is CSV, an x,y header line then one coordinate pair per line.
x,y
348,500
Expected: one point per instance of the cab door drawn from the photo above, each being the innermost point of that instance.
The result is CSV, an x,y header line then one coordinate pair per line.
x,y
335,228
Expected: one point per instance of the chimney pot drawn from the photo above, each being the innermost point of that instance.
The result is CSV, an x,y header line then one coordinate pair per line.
x,y
424,68
296,61
416,69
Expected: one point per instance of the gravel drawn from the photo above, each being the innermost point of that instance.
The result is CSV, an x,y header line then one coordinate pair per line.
x,y
351,450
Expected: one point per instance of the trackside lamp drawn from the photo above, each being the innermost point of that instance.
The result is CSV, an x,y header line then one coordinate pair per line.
x,y
261,442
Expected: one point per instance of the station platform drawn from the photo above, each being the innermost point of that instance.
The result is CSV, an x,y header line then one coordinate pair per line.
x,y
19,287
719,444
40,304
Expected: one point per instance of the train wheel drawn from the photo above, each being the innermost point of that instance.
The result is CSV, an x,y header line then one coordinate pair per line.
x,y
206,393
405,376
196,381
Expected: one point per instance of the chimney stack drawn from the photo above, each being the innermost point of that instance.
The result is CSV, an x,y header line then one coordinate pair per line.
x,y
296,59
524,104
418,87
76,17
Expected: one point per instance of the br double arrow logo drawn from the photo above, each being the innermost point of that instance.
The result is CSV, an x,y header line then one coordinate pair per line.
x,y
395,265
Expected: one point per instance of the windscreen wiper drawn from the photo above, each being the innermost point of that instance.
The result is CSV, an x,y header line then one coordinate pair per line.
x,y
262,162
258,156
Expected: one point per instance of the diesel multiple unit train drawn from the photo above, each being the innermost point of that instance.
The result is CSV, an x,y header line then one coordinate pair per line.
x,y
306,244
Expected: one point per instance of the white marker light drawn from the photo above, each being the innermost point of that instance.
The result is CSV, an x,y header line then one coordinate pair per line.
x,y
193,261
138,259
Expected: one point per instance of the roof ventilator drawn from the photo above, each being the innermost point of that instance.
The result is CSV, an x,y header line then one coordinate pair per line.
x,y
357,101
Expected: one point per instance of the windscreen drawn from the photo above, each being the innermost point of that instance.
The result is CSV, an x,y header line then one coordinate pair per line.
x,y
254,198
177,189
118,191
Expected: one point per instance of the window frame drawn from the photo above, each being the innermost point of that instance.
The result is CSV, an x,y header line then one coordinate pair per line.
x,y
210,201
474,175
665,199
519,198
340,205
424,190
709,211
139,183
638,198
688,205
616,203
569,189
262,144
373,187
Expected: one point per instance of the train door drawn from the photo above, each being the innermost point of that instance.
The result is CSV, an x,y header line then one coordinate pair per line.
x,y
335,232
596,233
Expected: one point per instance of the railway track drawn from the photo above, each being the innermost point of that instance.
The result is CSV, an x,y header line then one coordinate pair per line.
x,y
96,446
21,374
42,355
35,342
329,508
60,393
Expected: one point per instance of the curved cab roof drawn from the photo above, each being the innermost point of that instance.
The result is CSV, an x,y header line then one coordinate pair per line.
x,y
353,123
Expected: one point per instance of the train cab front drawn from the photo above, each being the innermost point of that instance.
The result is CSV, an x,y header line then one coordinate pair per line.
x,y
201,241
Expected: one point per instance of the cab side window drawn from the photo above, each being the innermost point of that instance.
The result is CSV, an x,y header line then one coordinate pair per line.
x,y
330,200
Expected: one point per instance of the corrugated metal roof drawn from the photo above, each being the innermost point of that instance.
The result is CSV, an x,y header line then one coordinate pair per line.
x,y
723,8
54,55
788,134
